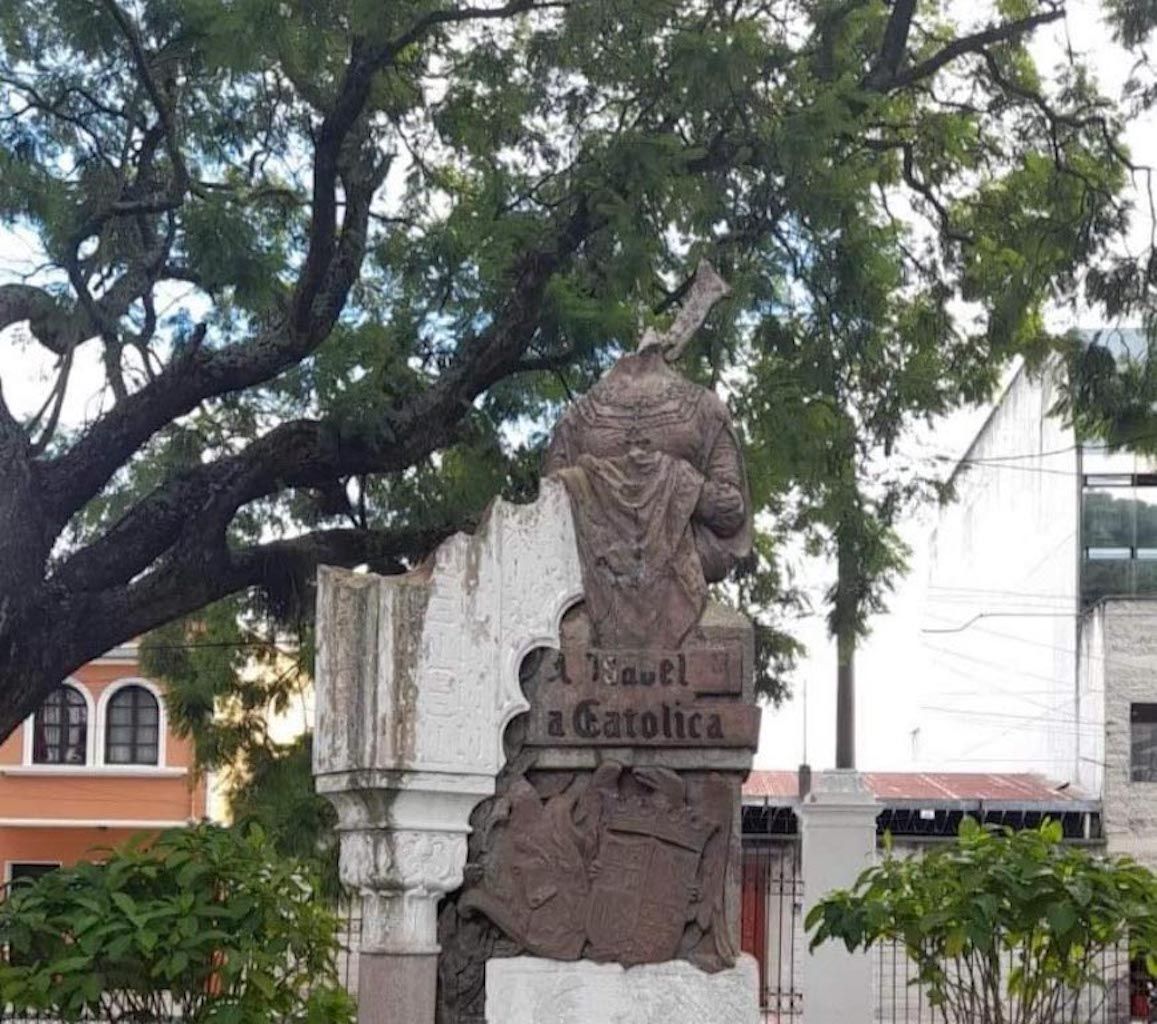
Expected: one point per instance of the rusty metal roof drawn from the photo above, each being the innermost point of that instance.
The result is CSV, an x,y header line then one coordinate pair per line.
x,y
935,789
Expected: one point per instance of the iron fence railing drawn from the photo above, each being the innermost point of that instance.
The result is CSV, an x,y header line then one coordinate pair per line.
x,y
900,1000
773,924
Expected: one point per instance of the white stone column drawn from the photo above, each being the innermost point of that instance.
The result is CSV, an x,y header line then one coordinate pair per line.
x,y
417,678
838,835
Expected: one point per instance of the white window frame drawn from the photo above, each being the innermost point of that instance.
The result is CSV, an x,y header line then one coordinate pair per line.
x,y
9,864
89,737
111,691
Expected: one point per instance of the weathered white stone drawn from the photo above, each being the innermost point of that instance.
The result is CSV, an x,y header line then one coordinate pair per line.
x,y
420,672
417,678
838,841
530,990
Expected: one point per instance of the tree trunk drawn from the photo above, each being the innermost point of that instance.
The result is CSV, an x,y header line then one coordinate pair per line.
x,y
845,631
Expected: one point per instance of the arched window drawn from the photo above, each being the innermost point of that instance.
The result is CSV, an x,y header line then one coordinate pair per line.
x,y
133,729
60,728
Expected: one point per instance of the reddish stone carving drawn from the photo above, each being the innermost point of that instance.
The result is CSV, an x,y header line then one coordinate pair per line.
x,y
660,500
626,864
614,867
681,698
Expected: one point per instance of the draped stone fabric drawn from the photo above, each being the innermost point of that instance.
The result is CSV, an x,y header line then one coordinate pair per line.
x,y
660,500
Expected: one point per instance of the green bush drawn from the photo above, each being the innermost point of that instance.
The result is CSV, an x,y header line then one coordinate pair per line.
x,y
1001,925
206,924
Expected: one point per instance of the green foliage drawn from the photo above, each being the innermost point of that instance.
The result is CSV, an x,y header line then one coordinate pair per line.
x,y
1000,925
211,919
277,793
852,204
225,683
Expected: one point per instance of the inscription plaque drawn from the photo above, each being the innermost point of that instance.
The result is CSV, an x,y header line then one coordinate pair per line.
x,y
689,697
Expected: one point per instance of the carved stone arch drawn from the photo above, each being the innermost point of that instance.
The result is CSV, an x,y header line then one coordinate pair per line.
x,y
417,679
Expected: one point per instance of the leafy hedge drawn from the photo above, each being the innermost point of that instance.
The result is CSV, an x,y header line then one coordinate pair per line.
x,y
1001,925
205,924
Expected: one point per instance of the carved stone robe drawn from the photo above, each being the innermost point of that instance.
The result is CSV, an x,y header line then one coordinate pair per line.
x,y
660,499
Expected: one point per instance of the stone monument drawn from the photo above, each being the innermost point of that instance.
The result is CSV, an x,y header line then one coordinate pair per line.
x,y
536,742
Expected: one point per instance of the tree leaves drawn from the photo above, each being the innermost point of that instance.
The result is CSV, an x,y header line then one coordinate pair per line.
x,y
1001,924
206,923
419,230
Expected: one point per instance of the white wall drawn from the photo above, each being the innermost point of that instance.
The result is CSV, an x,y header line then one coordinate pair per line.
x,y
1091,704
999,616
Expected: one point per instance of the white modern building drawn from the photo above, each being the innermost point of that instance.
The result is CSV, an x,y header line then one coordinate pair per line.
x,y
1039,631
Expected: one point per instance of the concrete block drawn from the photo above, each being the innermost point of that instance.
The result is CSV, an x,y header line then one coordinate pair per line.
x,y
529,990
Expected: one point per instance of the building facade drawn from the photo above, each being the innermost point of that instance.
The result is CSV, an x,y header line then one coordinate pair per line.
x,y
1039,633
96,765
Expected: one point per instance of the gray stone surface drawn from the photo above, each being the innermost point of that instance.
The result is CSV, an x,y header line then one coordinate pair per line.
x,y
1129,657
396,989
527,990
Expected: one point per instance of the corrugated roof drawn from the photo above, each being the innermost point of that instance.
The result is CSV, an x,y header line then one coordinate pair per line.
x,y
930,788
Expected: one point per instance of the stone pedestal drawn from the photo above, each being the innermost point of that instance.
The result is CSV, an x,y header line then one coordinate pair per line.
x,y
408,982
838,835
528,990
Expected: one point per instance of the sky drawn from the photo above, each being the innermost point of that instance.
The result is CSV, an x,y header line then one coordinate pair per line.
x,y
804,728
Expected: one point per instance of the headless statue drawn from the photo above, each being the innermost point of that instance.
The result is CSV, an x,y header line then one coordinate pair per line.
x,y
657,487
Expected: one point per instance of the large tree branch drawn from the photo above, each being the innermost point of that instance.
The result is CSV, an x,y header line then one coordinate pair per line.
x,y
200,502
60,327
156,94
894,48
331,267
9,425
85,625
973,43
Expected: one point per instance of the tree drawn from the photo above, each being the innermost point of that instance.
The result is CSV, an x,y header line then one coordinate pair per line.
x,y
225,681
1109,391
1002,925
343,263
205,925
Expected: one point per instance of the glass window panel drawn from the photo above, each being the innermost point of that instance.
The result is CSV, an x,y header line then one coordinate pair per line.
x,y
1143,742
1108,518
1145,499
59,729
1145,576
1106,578
134,727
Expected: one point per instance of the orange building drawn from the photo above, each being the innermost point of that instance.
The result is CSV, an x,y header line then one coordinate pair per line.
x,y
93,767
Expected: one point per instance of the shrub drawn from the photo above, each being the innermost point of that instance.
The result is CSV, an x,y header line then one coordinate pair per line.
x,y
1001,925
205,924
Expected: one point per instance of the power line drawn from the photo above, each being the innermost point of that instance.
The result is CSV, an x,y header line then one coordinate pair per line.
x,y
1001,615
1002,591
1004,732
992,664
1072,724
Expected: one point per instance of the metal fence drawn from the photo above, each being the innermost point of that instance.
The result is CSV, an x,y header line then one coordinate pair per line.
x,y
899,1000
773,924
